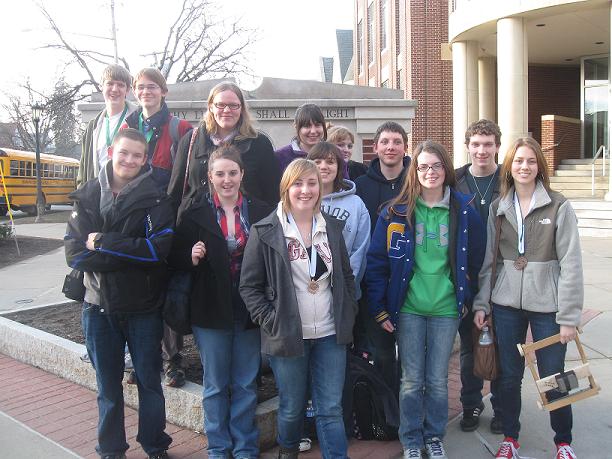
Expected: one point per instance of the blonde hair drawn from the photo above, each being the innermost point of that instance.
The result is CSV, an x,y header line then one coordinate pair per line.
x,y
245,125
507,181
411,188
338,133
297,169
117,73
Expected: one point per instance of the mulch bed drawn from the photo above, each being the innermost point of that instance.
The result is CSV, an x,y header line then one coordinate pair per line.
x,y
28,246
65,321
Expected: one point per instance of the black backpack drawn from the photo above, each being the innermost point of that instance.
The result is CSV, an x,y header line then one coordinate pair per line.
x,y
374,407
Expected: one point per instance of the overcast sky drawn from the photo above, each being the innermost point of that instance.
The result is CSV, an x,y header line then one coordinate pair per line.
x,y
292,34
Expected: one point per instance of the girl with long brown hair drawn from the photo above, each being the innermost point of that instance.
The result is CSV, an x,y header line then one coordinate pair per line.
x,y
421,271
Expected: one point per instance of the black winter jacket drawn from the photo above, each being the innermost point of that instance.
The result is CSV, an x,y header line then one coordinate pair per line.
x,y
261,171
137,236
375,190
215,301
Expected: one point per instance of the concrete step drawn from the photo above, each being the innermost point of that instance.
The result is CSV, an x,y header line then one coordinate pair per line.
x,y
581,167
573,173
591,204
588,214
595,232
585,194
594,217
584,185
580,178
600,223
583,161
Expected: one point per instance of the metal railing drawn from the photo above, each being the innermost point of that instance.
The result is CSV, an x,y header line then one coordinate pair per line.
x,y
601,151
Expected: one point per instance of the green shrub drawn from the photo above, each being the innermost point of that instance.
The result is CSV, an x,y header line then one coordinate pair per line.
x,y
5,232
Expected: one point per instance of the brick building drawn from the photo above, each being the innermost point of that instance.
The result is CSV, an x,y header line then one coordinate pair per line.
x,y
402,44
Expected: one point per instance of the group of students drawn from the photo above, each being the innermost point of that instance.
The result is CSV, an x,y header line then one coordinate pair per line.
x,y
300,253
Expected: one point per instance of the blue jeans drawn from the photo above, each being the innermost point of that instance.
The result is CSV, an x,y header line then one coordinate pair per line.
x,y
425,346
324,364
105,337
471,386
230,359
511,329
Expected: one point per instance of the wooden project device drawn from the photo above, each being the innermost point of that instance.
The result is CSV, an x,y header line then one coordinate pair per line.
x,y
567,381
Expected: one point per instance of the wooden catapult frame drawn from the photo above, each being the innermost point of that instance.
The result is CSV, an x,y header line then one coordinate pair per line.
x,y
552,382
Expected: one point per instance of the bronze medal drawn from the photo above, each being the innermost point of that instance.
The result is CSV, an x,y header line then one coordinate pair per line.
x,y
313,287
520,262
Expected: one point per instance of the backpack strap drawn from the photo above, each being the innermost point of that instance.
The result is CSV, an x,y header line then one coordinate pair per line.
x,y
191,142
173,126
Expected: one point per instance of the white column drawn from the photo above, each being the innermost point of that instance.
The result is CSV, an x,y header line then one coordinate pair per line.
x,y
486,88
512,82
608,196
465,95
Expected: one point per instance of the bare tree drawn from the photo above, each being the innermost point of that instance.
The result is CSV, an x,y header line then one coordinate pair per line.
x,y
58,126
198,45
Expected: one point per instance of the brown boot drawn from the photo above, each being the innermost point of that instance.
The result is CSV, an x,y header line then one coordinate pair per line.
x,y
287,453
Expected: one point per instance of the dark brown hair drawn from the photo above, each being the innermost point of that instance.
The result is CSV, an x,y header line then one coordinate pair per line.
x,y
307,114
483,127
324,150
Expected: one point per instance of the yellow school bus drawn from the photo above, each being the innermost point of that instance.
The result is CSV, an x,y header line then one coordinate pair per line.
x,y
19,171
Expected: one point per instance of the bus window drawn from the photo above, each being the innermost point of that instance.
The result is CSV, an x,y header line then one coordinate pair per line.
x,y
14,168
29,169
45,168
58,170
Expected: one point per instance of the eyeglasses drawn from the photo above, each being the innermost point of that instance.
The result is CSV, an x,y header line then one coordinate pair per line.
x,y
425,167
149,87
222,106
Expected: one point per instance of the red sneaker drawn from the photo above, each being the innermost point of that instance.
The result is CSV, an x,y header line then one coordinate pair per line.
x,y
508,449
565,451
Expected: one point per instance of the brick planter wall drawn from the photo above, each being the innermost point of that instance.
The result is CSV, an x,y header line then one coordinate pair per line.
x,y
560,139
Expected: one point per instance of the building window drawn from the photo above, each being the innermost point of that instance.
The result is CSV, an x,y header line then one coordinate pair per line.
x,y
359,47
383,24
371,33
398,41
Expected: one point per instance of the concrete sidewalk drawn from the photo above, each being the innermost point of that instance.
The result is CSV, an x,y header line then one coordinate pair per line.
x,y
48,404
36,281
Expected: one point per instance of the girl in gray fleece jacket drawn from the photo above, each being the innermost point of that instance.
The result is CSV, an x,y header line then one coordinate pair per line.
x,y
538,284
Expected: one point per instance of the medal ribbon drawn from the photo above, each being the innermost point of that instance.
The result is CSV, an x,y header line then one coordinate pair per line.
x,y
312,269
149,131
520,223
109,139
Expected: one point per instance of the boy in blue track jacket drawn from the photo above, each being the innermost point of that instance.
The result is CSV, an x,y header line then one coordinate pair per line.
x,y
119,234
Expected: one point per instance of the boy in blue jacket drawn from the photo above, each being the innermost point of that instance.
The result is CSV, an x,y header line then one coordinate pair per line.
x,y
119,235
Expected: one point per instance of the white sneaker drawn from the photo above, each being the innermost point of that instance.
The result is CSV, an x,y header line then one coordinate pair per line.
x,y
413,453
435,448
305,444
565,451
508,449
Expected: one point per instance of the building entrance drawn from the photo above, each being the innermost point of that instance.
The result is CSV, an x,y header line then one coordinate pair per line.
x,y
595,83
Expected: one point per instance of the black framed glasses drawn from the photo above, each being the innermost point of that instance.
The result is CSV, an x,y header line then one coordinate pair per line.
x,y
425,167
222,106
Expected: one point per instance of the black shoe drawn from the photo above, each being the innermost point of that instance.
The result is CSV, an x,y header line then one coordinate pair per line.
x,y
496,425
113,456
160,455
175,376
471,418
